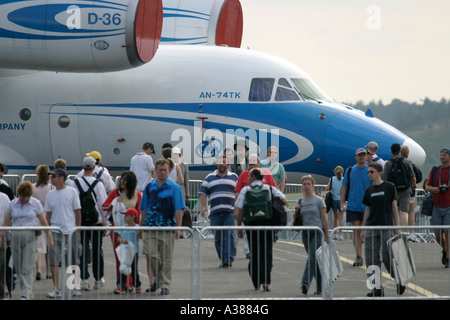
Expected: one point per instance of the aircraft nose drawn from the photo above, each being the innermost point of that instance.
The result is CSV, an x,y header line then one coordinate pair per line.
x,y
416,153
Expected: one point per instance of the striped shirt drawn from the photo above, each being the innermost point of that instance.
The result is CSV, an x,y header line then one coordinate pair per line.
x,y
220,191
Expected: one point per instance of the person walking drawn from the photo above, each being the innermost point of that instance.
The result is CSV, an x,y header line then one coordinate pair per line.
x,y
313,210
381,210
63,210
219,187
90,187
438,184
354,185
260,241
162,205
25,211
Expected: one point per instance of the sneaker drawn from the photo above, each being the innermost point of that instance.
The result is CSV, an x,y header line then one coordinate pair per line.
x,y
85,285
340,237
55,293
120,290
137,290
358,262
412,237
444,257
76,292
99,283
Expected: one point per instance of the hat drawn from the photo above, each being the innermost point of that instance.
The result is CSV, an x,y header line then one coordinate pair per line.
x,y
372,145
445,150
361,150
132,212
60,172
149,145
176,150
88,163
95,154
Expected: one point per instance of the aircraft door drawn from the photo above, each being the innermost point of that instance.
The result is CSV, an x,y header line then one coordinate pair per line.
x,y
64,133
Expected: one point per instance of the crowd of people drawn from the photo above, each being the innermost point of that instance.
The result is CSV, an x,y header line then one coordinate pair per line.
x,y
240,191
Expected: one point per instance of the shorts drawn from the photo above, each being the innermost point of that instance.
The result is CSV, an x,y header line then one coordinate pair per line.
x,y
439,217
403,198
336,205
54,253
355,216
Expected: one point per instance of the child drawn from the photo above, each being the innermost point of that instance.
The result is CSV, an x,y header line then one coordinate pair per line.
x,y
126,236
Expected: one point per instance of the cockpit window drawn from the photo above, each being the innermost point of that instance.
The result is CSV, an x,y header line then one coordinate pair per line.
x,y
285,91
261,89
309,90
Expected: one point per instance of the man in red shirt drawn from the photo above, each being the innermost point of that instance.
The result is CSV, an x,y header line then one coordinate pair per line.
x,y
253,162
438,184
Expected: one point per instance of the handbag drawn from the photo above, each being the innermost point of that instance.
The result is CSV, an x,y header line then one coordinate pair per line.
x,y
279,211
298,220
427,204
187,218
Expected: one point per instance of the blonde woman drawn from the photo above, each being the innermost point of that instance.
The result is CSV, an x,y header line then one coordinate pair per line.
x,y
314,214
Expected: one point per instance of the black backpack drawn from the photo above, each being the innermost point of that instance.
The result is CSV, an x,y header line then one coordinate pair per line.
x,y
417,173
258,205
88,201
399,174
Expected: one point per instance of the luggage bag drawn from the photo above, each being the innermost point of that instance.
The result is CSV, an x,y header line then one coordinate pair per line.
x,y
328,260
402,260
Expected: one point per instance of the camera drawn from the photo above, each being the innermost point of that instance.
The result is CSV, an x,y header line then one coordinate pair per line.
x,y
443,188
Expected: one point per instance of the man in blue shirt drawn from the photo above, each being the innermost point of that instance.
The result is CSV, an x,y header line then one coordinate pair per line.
x,y
219,186
356,183
162,205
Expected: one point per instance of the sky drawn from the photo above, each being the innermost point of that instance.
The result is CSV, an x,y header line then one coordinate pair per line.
x,y
358,50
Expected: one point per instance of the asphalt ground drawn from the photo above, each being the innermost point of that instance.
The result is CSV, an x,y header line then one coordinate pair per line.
x,y
208,281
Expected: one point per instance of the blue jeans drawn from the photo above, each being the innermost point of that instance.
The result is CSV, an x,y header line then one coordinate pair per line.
x,y
224,240
312,241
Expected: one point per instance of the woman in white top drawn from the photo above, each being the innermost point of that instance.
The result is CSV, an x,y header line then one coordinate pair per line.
x,y
25,211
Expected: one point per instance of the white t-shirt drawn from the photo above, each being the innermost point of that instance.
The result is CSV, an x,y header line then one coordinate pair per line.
x,y
142,166
62,204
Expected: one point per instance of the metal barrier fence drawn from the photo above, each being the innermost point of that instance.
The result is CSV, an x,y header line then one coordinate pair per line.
x,y
197,271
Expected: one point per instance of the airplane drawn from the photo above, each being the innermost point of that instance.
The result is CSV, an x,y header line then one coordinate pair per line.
x,y
199,97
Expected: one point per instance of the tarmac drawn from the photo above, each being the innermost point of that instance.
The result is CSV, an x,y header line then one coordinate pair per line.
x,y
196,275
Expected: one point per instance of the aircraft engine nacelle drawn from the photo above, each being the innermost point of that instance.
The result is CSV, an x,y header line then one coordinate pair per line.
x,y
202,22
79,35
